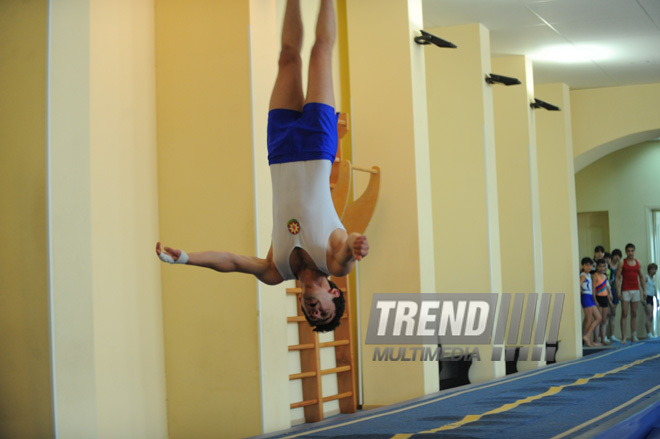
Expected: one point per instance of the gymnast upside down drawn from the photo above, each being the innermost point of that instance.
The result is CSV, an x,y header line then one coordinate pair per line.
x,y
309,242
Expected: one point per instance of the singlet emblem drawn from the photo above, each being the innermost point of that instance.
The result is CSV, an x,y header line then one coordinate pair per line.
x,y
294,226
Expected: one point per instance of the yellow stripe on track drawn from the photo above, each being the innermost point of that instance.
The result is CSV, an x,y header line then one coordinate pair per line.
x,y
506,407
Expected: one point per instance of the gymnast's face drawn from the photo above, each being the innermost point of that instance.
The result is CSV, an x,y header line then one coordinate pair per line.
x,y
317,303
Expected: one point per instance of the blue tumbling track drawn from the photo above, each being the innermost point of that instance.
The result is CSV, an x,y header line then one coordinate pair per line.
x,y
576,399
645,424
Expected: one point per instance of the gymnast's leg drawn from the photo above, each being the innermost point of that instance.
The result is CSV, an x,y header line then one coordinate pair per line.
x,y
319,86
287,92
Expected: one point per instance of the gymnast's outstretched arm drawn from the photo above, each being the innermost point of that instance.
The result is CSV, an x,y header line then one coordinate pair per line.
x,y
346,249
226,262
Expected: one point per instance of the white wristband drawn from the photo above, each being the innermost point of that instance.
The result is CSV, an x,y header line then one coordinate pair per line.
x,y
183,258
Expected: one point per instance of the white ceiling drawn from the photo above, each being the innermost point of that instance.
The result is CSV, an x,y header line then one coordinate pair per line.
x,y
618,40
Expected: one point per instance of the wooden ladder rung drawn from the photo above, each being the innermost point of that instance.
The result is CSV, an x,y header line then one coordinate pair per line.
x,y
296,405
296,319
301,347
360,168
337,396
336,370
301,375
329,344
294,290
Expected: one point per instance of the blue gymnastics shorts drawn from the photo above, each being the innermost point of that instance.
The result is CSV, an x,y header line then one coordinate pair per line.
x,y
295,136
587,300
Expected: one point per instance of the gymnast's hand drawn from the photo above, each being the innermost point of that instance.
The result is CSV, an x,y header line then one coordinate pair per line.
x,y
360,247
171,255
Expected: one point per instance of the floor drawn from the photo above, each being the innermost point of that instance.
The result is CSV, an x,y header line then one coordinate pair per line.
x,y
583,398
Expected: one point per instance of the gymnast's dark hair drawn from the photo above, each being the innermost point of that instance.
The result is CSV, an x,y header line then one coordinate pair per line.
x,y
340,306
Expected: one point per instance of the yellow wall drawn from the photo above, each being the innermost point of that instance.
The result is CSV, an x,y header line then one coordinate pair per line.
x,y
608,119
206,201
25,375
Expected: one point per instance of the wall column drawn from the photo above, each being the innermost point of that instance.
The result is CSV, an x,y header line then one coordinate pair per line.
x,y
559,213
389,128
517,182
72,308
107,347
463,172
266,18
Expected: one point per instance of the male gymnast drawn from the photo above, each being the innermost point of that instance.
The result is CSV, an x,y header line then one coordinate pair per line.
x,y
309,242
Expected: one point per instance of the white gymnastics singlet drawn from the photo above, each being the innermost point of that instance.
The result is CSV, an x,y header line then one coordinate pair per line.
x,y
303,213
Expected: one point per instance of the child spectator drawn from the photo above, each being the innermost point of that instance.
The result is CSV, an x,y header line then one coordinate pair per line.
x,y
599,253
614,264
592,316
650,295
603,298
